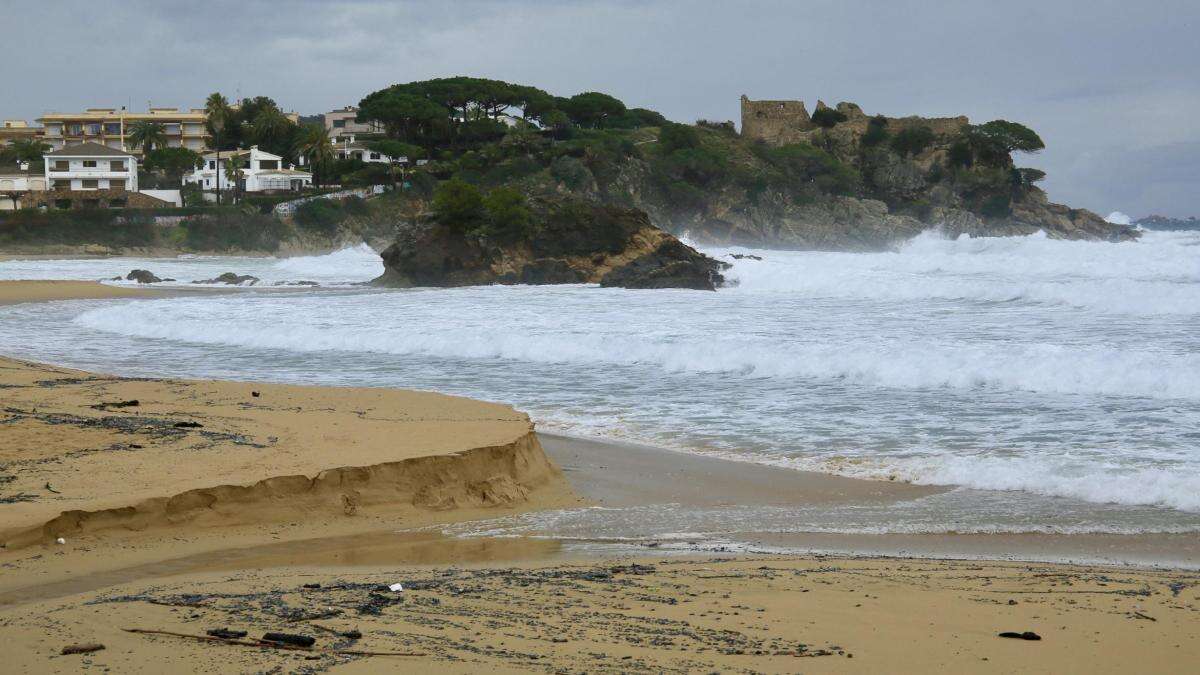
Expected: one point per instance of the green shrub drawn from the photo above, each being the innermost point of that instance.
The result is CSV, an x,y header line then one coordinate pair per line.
x,y
458,203
912,140
79,227
570,172
801,166
725,127
677,137
960,156
827,118
321,216
702,167
507,218
511,170
877,132
233,231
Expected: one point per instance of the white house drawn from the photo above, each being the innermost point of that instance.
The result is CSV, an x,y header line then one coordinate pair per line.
x,y
348,148
91,166
15,182
260,172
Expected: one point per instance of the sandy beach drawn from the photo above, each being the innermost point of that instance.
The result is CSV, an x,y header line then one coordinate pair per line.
x,y
186,506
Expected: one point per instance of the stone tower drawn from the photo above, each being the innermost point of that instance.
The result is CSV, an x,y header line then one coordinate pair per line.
x,y
775,122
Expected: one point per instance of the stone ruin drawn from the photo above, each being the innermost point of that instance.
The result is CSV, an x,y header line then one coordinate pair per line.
x,y
785,122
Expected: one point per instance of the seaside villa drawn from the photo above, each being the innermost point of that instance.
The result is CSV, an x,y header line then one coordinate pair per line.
x,y
260,172
348,148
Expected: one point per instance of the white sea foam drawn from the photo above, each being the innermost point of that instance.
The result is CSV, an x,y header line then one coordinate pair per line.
x,y
1040,368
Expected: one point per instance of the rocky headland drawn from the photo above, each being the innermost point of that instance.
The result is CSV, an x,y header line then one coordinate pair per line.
x,y
564,241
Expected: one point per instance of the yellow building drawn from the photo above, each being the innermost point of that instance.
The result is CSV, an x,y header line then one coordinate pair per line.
x,y
110,127
11,130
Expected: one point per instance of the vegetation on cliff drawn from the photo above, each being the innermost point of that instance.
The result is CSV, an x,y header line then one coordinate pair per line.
x,y
852,181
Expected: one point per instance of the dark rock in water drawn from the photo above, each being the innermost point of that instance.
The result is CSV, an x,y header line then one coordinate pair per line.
x,y
744,256
231,279
672,265
142,277
570,241
296,283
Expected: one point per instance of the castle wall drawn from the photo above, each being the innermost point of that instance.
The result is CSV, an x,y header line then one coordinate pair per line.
x,y
784,122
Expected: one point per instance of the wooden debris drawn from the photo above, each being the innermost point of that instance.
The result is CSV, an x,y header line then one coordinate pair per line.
x,y
272,645
86,648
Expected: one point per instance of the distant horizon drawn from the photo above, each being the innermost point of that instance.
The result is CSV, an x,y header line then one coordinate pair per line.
x,y
1117,117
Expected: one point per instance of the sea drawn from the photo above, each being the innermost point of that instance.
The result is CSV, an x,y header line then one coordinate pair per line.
x,y
1053,386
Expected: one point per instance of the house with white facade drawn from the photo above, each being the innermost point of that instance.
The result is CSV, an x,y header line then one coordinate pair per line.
x,y
91,166
16,182
260,171
348,148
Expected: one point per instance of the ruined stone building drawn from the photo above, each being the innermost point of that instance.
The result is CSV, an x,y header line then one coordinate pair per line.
x,y
784,122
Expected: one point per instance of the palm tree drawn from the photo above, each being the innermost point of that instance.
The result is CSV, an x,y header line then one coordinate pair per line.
x,y
314,144
270,124
233,173
25,150
149,135
217,114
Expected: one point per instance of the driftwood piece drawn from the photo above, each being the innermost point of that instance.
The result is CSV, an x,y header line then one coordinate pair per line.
x,y
272,645
86,648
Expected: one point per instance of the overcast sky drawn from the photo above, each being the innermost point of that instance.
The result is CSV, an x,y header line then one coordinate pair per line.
x,y
1113,88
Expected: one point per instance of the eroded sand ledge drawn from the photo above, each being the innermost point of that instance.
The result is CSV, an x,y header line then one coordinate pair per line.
x,y
78,457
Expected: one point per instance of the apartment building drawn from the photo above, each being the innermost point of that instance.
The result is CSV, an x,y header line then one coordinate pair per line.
x,y
12,130
340,123
91,166
109,127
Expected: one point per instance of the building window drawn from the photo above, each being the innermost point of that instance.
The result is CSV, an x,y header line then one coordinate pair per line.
x,y
374,155
89,183
268,164
117,165
116,184
61,165
89,163
212,165
339,124
93,130
112,128
75,129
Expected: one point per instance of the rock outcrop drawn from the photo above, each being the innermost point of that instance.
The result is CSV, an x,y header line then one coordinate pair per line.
x,y
231,279
570,241
142,277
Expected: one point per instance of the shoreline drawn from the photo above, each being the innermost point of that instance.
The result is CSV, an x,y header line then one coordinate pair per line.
x,y
280,512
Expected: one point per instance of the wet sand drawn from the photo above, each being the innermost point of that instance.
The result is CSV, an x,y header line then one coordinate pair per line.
x,y
14,292
628,475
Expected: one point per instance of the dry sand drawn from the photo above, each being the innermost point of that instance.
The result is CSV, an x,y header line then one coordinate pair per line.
x,y
188,528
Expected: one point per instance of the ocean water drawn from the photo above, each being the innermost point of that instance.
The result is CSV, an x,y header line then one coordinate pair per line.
x,y
1055,384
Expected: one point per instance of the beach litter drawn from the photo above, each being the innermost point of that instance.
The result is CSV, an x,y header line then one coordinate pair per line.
x,y
86,648
396,587
289,639
226,633
267,643
1027,635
